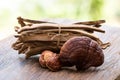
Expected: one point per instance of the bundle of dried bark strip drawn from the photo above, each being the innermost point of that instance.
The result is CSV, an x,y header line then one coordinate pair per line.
x,y
35,36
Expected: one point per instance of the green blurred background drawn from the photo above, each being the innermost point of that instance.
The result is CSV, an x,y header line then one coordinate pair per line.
x,y
70,9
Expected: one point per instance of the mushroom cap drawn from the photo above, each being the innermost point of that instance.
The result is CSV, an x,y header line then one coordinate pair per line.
x,y
53,63
48,59
82,52
45,55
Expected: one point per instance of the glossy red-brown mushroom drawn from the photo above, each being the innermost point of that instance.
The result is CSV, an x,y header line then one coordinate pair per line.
x,y
82,52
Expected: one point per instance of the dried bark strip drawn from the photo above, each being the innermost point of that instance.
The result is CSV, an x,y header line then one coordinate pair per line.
x,y
56,26
35,36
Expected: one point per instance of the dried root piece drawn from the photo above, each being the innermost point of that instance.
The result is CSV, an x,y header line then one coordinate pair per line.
x,y
95,23
34,36
34,48
49,26
38,50
92,23
22,21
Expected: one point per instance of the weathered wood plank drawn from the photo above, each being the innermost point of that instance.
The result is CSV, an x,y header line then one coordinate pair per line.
x,y
15,67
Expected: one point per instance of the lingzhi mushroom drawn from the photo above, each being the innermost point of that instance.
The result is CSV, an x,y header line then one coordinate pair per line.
x,y
82,52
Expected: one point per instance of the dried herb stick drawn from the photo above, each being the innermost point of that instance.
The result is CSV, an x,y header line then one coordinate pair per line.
x,y
34,36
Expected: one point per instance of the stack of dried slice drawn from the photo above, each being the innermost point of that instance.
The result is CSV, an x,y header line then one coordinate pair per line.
x,y
35,36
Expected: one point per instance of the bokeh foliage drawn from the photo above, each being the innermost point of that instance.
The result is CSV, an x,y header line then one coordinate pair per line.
x,y
36,9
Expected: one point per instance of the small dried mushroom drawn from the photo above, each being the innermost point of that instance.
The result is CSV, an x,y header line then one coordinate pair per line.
x,y
50,60
82,52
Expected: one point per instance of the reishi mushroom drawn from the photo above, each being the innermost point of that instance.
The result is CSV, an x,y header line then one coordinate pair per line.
x,y
50,60
82,52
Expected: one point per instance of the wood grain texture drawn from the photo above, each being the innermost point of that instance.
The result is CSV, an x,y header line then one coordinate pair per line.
x,y
16,67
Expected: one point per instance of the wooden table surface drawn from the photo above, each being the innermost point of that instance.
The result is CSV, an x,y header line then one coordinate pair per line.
x,y
16,67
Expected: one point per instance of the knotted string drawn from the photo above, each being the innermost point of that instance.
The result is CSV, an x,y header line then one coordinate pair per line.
x,y
59,35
